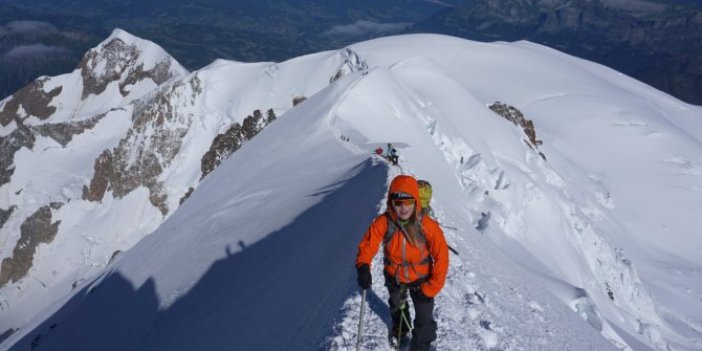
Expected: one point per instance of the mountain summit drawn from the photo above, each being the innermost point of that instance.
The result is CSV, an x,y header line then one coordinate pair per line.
x,y
223,207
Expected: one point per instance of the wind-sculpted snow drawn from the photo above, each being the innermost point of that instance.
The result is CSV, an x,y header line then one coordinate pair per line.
x,y
513,195
352,63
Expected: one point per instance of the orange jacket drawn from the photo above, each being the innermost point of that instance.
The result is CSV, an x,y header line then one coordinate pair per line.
x,y
415,265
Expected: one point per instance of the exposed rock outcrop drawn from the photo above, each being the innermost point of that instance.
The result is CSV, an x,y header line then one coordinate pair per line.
x,y
515,116
106,64
231,140
33,100
150,146
298,100
186,195
101,178
114,255
63,133
35,230
5,215
9,145
159,74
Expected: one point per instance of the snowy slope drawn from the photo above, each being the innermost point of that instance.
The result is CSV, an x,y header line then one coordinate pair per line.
x,y
77,200
591,246
52,131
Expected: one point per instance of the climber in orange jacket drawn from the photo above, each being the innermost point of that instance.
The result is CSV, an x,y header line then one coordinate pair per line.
x,y
415,261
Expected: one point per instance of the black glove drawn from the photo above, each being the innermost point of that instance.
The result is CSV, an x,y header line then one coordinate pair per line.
x,y
364,276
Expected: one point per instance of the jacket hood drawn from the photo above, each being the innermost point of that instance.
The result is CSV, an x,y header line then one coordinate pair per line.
x,y
404,184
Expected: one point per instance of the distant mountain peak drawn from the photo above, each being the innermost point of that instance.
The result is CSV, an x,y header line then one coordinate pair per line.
x,y
122,34
55,110
128,60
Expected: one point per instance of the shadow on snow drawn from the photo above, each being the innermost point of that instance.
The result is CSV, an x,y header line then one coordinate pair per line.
x,y
280,293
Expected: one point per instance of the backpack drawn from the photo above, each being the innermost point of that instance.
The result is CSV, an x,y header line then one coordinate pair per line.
x,y
425,193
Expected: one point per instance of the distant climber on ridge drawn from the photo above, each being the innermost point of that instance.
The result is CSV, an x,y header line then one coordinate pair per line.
x,y
394,158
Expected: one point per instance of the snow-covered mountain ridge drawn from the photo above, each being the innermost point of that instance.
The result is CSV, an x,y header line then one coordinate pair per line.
x,y
40,125
582,218
122,138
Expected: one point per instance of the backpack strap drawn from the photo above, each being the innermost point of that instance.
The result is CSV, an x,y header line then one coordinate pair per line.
x,y
392,229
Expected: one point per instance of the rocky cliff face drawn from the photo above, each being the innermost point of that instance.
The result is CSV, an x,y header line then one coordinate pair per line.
x,y
150,146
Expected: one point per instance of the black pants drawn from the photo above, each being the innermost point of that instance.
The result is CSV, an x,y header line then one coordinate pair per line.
x,y
424,331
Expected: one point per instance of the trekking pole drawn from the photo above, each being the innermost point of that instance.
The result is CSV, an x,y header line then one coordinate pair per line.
x,y
360,321
448,227
449,246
